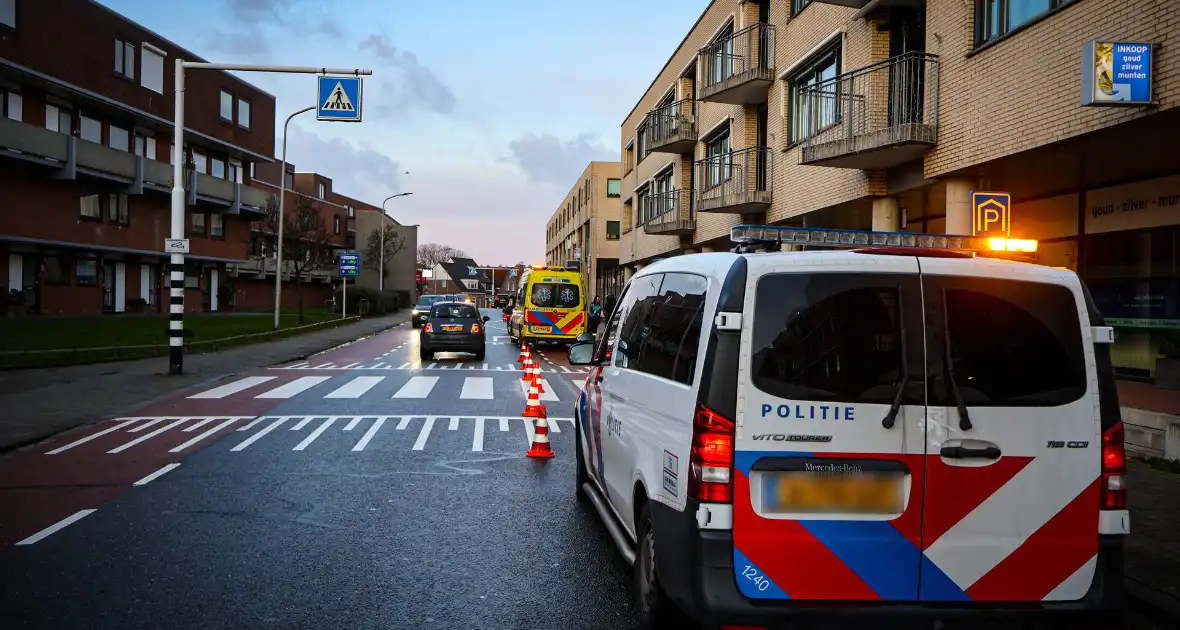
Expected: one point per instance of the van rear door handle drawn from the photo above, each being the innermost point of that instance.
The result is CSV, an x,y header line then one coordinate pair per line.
x,y
964,452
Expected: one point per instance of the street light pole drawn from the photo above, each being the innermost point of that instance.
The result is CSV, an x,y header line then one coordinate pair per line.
x,y
281,216
176,260
381,262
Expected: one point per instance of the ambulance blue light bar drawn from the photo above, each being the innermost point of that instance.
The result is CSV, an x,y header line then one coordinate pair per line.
x,y
823,237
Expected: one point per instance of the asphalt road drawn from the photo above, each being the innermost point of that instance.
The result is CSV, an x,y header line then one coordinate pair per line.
x,y
359,489
404,501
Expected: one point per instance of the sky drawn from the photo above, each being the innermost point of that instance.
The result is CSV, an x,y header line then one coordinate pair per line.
x,y
486,110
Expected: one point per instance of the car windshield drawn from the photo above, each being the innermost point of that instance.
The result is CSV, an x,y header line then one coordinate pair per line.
x,y
454,311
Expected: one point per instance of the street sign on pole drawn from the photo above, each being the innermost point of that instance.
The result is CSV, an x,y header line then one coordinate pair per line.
x,y
349,265
338,98
176,246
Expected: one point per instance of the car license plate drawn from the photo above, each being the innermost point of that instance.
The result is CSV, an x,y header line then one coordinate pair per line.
x,y
544,330
452,329
810,492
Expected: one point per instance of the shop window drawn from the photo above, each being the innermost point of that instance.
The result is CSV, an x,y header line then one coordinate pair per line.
x,y
118,210
90,208
57,270
87,270
216,225
994,18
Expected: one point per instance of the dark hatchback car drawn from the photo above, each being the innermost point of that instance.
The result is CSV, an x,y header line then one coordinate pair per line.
x,y
422,308
452,327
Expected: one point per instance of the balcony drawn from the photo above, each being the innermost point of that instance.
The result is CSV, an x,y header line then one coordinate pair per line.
x,y
672,128
66,157
736,182
667,213
738,69
876,117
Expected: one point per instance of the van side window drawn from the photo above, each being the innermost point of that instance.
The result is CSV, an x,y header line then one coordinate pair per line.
x,y
674,328
636,311
1012,343
602,355
836,337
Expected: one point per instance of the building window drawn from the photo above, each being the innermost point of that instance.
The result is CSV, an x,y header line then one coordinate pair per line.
x,y
89,208
322,190
118,138
57,270
719,59
613,187
58,119
151,69
125,58
13,104
994,18
351,212
8,13
118,211
198,225
145,146
798,5
91,130
814,111
289,180
629,157
252,175
336,224
227,106
641,133
218,168
216,226
87,270
199,162
720,160
235,171
243,113
612,230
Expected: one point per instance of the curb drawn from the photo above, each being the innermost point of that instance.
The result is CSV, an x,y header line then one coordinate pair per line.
x,y
1153,603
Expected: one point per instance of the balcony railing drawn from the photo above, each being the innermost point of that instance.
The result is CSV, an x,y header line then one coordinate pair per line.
x,y
735,182
875,117
672,128
667,213
738,69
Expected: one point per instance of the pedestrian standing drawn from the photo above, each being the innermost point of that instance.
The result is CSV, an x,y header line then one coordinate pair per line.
x,y
609,305
595,314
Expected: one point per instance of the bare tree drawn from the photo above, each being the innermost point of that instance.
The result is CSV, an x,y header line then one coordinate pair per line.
x,y
394,244
307,244
431,254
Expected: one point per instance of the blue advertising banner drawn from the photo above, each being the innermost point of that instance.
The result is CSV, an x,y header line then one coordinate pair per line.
x,y
1116,73
349,265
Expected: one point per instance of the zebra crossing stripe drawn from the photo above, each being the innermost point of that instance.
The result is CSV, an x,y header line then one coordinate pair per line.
x,y
356,387
417,387
233,388
477,387
297,386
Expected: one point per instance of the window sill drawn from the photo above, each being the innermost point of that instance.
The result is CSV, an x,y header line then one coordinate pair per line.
x,y
241,126
1019,29
83,217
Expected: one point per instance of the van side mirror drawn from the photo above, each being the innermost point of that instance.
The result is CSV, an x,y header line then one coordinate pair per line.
x,y
425,318
581,354
585,338
486,318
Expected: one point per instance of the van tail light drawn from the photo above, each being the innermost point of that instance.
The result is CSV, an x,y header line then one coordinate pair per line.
x,y
711,461
1114,469
426,328
474,329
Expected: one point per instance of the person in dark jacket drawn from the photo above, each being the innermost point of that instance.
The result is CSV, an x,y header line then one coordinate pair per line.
x,y
608,306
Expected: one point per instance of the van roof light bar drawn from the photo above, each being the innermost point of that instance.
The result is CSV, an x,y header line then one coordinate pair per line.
x,y
748,237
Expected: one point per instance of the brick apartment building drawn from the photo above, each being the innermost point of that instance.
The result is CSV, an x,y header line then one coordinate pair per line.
x,y
886,114
585,229
86,104
402,267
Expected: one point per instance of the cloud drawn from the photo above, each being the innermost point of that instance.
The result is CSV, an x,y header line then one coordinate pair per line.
x,y
237,44
420,83
548,159
355,171
261,23
256,11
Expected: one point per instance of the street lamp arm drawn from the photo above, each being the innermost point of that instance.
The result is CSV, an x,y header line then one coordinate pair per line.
x,y
381,262
239,67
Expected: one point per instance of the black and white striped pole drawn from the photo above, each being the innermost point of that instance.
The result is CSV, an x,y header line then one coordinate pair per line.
x,y
177,245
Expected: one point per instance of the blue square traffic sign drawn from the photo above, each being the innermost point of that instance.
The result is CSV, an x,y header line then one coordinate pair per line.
x,y
338,98
349,265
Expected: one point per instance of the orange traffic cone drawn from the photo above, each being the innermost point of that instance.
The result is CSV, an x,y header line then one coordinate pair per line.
x,y
540,447
524,351
537,378
533,408
527,367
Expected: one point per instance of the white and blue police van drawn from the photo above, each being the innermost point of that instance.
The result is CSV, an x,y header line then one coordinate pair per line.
x,y
903,428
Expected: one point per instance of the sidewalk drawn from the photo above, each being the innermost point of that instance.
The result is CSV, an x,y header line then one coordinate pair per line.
x,y
41,402
1153,548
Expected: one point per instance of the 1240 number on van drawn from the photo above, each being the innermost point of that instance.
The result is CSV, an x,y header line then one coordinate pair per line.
x,y
761,582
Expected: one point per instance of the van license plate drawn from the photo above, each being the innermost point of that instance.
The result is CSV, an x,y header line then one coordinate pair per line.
x,y
809,492
543,330
452,329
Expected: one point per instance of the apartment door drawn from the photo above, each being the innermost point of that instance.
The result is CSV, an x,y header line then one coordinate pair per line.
x,y
24,276
108,287
762,158
907,75
120,287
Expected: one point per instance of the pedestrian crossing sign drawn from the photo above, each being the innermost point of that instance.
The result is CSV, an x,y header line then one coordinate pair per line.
x,y
338,98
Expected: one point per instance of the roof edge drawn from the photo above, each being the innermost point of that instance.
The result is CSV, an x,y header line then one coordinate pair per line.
x,y
669,61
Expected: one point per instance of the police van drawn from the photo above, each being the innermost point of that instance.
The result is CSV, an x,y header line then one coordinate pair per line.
x,y
909,427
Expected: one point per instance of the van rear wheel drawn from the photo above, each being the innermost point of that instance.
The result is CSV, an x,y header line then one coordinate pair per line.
x,y
656,610
581,476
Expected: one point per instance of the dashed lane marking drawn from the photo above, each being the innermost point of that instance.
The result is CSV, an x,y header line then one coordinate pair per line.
x,y
57,527
314,434
156,475
94,436
202,436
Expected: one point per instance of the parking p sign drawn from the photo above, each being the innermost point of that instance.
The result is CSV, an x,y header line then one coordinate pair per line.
x,y
349,265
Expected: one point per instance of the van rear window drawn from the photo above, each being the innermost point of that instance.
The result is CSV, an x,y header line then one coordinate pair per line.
x,y
555,295
1012,343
